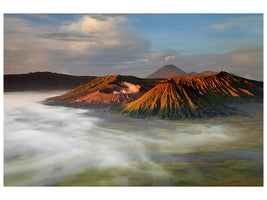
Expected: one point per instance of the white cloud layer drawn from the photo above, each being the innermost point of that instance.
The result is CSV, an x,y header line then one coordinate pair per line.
x,y
46,144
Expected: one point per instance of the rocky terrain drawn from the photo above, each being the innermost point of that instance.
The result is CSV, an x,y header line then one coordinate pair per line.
x,y
105,91
175,101
225,87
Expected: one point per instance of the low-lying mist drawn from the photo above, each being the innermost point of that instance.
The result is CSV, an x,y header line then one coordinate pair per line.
x,y
43,145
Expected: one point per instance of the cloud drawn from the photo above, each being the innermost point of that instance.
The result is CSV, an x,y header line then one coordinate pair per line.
x,y
243,61
247,60
170,58
105,40
244,23
46,144
109,44
160,56
66,36
106,35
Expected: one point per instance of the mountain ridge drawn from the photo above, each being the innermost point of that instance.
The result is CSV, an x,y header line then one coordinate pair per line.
x,y
174,101
169,71
105,91
43,81
225,87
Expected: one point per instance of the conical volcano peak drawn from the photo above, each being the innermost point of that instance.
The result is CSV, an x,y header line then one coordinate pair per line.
x,y
169,67
167,71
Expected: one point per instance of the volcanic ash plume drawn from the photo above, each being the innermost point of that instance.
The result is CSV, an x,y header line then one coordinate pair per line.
x,y
128,88
170,58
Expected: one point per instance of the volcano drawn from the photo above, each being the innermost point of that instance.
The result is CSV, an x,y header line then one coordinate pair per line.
x,y
174,101
225,87
105,91
167,71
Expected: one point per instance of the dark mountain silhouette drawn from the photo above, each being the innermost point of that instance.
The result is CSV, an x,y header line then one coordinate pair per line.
x,y
105,91
169,71
225,87
43,81
174,101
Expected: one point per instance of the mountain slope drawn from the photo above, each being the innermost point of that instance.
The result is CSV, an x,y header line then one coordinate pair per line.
x,y
191,74
105,91
174,101
225,87
169,71
166,72
43,81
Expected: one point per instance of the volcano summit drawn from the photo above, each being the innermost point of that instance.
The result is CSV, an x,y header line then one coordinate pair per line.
x,y
167,71
175,101
105,91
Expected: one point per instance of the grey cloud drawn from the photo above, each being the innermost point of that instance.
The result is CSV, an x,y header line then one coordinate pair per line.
x,y
246,61
72,50
240,22
103,16
243,23
67,49
67,36
242,61
159,56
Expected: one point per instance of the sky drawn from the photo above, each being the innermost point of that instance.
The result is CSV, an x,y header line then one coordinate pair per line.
x,y
133,44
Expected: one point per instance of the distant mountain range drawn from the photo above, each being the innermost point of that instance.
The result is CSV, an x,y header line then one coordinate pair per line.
x,y
169,71
198,96
43,81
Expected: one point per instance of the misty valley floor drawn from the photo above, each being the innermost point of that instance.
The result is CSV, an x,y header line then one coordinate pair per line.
x,y
53,145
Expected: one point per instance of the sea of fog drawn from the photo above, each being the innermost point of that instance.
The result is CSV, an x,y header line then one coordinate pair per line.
x,y
44,145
